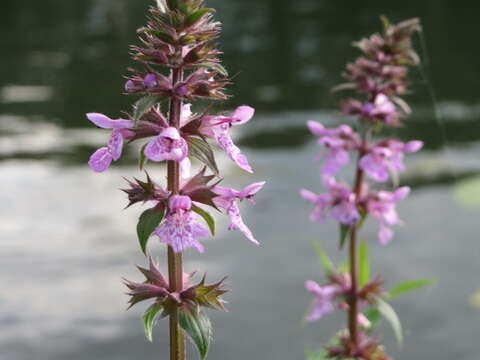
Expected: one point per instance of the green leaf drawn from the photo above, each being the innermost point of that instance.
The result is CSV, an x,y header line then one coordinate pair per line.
x,y
316,355
202,151
373,315
196,16
143,105
207,217
142,160
387,311
149,319
325,261
199,328
364,264
147,223
344,232
408,286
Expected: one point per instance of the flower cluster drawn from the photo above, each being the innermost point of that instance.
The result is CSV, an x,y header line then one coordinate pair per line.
x,y
380,77
178,65
334,296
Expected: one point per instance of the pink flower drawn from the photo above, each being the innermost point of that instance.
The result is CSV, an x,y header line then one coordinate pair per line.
x,y
218,127
103,157
228,198
387,157
169,145
337,141
323,299
382,109
181,229
340,200
382,206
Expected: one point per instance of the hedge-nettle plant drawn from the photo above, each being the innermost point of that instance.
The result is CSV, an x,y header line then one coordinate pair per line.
x,y
379,77
178,66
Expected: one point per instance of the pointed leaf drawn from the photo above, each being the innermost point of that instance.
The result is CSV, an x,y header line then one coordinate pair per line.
x,y
202,151
199,328
387,311
325,261
207,217
364,264
408,286
149,318
344,233
147,223
143,105
196,16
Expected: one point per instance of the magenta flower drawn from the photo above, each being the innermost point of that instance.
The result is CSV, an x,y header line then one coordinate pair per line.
x,y
218,127
103,157
382,206
323,301
181,229
169,145
387,157
228,198
337,141
340,200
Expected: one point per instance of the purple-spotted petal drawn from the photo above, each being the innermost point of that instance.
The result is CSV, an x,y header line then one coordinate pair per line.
x,y
181,231
115,144
100,160
169,145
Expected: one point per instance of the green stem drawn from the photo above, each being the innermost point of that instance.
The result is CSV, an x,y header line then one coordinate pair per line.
x,y
175,266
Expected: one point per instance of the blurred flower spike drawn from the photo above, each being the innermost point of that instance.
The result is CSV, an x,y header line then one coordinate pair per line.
x,y
378,78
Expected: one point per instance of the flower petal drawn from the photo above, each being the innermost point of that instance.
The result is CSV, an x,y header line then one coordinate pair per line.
x,y
100,160
238,224
100,120
115,144
225,142
242,114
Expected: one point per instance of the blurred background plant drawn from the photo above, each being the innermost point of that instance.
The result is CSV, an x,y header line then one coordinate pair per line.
x,y
288,55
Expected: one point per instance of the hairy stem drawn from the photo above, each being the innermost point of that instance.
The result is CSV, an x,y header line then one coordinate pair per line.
x,y
175,266
353,310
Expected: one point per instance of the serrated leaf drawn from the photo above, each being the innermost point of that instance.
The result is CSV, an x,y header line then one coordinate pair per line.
x,y
196,16
364,264
344,233
142,160
213,66
325,261
149,318
202,151
387,311
143,105
147,223
207,217
199,329
408,286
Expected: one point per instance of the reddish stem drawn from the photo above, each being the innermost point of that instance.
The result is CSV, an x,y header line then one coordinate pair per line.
x,y
175,266
353,299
